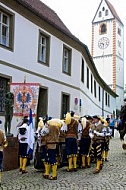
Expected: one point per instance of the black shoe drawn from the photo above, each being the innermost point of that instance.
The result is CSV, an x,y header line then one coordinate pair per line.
x,y
45,176
96,171
24,171
88,166
52,178
69,170
75,169
106,160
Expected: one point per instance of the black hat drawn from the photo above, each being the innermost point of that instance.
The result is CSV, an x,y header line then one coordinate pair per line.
x,y
25,117
0,122
49,117
72,113
96,117
88,117
125,100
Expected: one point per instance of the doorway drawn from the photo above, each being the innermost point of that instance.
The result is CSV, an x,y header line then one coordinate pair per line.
x,y
42,103
65,105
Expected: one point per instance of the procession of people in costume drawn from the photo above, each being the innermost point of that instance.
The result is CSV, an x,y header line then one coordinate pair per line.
x,y
86,140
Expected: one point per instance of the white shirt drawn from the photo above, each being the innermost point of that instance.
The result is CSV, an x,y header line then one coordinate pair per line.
x,y
25,136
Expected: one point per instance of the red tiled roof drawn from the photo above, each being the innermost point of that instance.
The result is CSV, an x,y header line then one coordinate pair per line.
x,y
113,10
45,12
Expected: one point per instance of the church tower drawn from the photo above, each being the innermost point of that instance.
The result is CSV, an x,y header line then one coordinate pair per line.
x,y
107,48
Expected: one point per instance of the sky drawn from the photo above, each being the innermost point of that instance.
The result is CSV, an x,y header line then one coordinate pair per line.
x,y
77,15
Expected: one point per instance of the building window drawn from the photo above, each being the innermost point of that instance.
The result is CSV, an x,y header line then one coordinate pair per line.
x,y
106,99
65,106
91,83
99,94
82,71
3,91
119,44
100,13
119,31
66,60
103,29
44,48
103,8
106,13
6,28
87,77
95,89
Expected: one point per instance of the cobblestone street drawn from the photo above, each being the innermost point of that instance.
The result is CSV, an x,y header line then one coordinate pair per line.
x,y
112,176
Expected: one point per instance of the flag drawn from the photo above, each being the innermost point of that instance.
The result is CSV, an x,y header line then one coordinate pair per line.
x,y
30,136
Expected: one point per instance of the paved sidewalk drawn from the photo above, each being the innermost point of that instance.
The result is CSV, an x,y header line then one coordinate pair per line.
x,y
111,177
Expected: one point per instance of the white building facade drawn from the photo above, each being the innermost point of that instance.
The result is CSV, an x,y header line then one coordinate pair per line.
x,y
35,43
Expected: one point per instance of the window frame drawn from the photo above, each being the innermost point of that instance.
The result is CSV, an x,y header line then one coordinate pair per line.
x,y
68,59
95,90
99,93
106,12
11,23
100,14
87,77
46,46
82,70
91,83
119,31
101,30
65,98
106,98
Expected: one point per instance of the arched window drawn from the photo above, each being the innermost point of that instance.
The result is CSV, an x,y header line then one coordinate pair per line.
x,y
103,29
103,8
106,12
100,14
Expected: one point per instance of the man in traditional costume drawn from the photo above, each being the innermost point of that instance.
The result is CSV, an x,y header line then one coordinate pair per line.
x,y
105,144
97,137
23,136
85,143
71,141
51,133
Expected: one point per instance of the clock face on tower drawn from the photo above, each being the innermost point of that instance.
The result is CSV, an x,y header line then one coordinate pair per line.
x,y
103,43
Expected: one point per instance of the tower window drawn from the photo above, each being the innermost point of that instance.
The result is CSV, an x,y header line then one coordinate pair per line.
x,y
103,8
119,31
103,29
100,13
119,44
106,12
